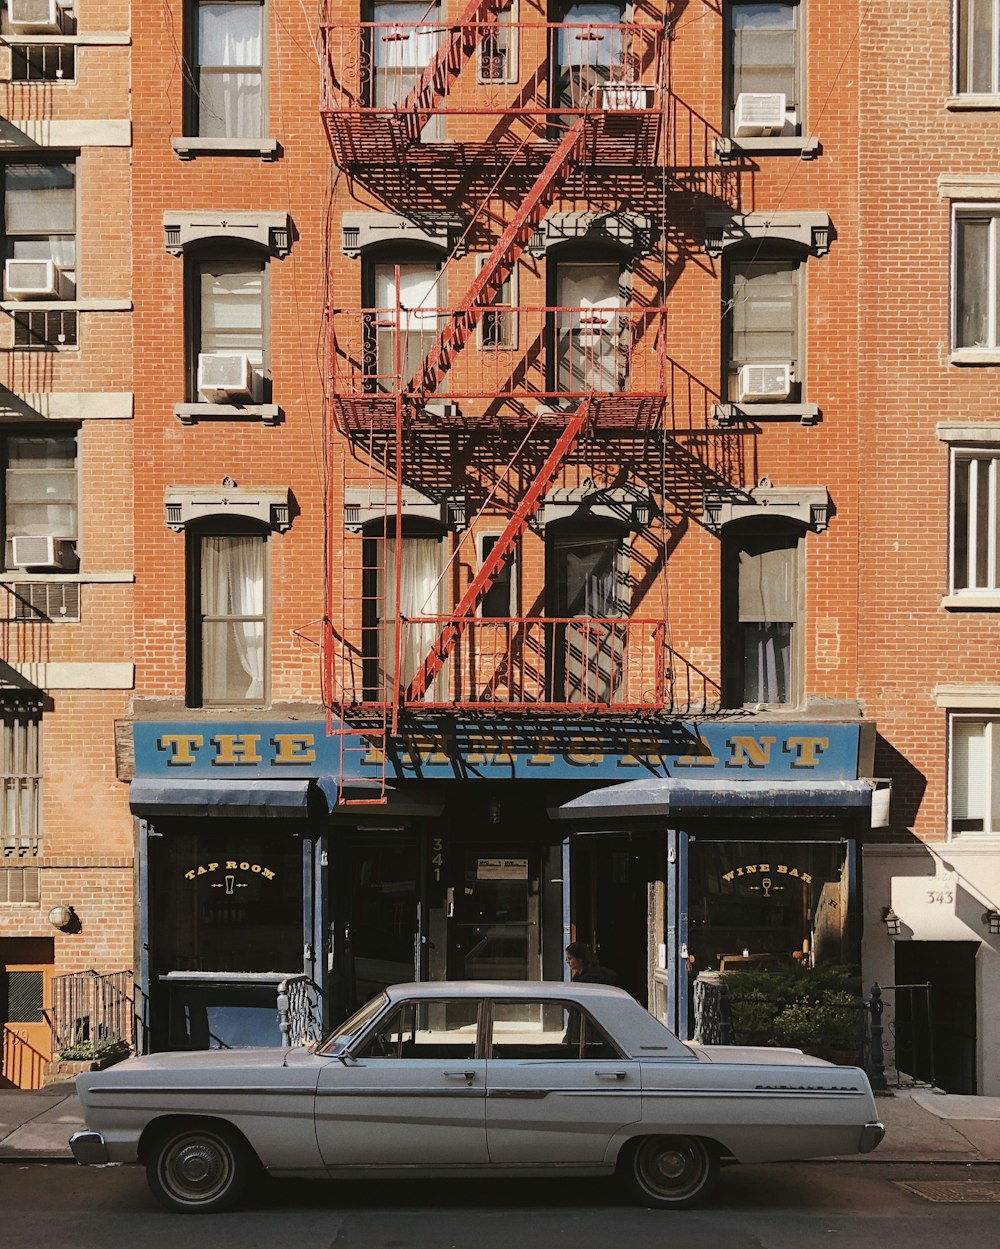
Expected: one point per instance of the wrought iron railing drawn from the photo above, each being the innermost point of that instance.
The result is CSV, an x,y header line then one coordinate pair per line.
x,y
300,1011
89,1006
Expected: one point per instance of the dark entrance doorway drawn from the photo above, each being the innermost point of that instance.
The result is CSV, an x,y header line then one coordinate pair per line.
x,y
610,887
950,968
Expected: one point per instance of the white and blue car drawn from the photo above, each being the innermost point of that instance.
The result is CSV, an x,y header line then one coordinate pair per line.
x,y
473,1079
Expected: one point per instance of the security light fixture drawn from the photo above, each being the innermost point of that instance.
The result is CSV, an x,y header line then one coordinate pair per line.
x,y
991,920
891,920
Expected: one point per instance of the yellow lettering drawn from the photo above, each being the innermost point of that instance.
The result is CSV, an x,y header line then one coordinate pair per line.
x,y
739,871
782,870
750,751
212,866
491,751
182,747
584,759
267,873
751,869
293,748
202,871
728,875
429,748
765,867
236,749
244,867
189,875
793,871
255,868
806,878
700,757
806,750
543,757
641,750
230,865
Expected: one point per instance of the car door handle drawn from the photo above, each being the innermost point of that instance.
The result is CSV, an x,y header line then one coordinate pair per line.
x,y
611,1075
460,1075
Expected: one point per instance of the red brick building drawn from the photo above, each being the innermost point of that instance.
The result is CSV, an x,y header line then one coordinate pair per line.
x,y
503,406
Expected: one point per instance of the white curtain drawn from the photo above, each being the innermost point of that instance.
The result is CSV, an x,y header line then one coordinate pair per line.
x,y
591,350
419,298
229,59
420,594
232,585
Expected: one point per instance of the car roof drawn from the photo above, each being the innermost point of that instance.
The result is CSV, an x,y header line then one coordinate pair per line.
x,y
505,989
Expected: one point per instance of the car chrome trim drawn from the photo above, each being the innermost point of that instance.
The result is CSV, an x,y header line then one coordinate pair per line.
x,y
444,1090
213,1090
761,1091
89,1149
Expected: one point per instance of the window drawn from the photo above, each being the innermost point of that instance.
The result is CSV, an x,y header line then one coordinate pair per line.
x,y
499,46
498,327
590,327
415,306
975,775
547,1031
762,327
228,596
761,595
438,1030
763,57
977,283
228,80
582,61
405,37
978,59
421,594
40,503
20,781
975,539
500,600
39,223
584,571
229,332
46,62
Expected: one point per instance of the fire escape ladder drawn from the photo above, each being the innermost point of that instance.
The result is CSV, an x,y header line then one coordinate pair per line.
x,y
498,556
497,266
447,63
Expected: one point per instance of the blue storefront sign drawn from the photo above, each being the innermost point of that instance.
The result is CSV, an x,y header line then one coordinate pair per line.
x,y
500,751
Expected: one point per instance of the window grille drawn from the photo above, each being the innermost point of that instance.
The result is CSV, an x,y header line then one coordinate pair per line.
x,y
20,782
45,329
47,62
19,885
44,602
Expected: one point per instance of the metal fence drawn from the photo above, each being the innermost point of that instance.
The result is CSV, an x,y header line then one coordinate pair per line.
x,y
300,1011
89,1006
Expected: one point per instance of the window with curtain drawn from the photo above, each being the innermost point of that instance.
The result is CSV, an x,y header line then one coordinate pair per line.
x,y
40,494
421,594
39,223
761,317
975,775
762,574
405,36
228,79
409,310
764,55
590,328
588,49
976,279
977,59
975,521
584,570
230,316
229,642
20,780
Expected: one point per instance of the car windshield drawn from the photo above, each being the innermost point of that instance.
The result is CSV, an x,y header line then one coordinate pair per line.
x,y
341,1037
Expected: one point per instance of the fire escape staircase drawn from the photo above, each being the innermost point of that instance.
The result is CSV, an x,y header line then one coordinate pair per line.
x,y
448,62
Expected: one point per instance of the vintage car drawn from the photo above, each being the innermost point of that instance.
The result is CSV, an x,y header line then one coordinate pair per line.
x,y
473,1078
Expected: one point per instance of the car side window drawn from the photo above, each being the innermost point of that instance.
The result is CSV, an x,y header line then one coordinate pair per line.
x,y
444,1029
547,1030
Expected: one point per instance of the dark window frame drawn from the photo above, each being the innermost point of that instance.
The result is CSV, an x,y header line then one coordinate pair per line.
x,y
764,254
729,67
192,107
42,157
46,432
195,262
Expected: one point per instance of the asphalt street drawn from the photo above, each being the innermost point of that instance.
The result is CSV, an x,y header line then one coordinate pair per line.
x,y
865,1205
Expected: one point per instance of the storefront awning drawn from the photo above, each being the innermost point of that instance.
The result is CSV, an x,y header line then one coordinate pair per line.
x,y
153,798
680,797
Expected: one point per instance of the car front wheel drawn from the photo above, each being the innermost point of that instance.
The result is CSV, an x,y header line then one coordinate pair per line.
x,y
198,1169
671,1171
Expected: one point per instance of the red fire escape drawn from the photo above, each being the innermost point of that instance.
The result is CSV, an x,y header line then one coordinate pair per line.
x,y
513,150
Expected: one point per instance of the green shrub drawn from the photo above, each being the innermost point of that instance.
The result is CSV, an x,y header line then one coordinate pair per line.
x,y
806,1009
90,1051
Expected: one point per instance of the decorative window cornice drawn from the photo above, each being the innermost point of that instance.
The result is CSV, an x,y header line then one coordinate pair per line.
x,y
270,230
361,230
810,230
271,506
628,505
810,505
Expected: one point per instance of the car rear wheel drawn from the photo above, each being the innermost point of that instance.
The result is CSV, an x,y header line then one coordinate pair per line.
x,y
671,1171
199,1168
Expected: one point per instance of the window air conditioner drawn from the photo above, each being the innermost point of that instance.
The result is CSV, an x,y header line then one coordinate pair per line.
x,y
31,279
36,17
760,382
224,377
622,97
35,551
758,114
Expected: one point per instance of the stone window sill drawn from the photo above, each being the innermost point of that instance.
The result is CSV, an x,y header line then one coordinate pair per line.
x,y
806,147
190,146
972,101
971,602
974,357
191,413
728,413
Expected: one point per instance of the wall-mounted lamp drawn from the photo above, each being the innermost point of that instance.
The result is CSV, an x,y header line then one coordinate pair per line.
x,y
60,916
892,921
991,919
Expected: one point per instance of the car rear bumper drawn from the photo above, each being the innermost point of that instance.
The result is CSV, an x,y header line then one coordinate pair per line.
x,y
871,1137
89,1149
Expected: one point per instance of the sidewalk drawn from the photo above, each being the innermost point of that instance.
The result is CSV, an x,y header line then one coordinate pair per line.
x,y
921,1126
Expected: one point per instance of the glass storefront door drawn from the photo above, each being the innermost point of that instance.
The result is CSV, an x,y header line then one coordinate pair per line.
x,y
493,916
379,944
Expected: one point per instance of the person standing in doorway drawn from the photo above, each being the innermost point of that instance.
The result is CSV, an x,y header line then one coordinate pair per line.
x,y
584,967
